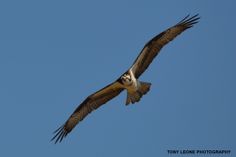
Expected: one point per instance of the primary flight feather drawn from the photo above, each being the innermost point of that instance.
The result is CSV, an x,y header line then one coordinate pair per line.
x,y
128,81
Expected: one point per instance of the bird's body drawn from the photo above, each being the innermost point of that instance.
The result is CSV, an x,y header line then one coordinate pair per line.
x,y
128,81
135,88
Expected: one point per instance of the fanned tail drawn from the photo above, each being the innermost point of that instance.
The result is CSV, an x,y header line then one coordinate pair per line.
x,y
137,95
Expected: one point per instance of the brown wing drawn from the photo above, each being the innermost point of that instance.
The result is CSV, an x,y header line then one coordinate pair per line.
x,y
153,47
90,103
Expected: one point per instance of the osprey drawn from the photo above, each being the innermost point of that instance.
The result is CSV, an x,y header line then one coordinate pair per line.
x,y
128,81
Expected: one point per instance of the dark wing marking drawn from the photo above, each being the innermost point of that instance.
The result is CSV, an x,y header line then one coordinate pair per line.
x,y
153,47
90,103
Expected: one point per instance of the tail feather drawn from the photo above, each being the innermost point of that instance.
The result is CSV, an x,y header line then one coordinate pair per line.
x,y
136,96
144,87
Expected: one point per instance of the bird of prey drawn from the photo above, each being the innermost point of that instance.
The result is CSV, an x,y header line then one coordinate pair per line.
x,y
127,81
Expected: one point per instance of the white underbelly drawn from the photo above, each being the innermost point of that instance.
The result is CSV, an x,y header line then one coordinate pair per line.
x,y
135,84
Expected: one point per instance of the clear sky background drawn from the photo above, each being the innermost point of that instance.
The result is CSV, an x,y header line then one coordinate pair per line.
x,y
53,54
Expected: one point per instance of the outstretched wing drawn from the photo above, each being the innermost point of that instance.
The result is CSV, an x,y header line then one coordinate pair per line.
x,y
153,47
90,103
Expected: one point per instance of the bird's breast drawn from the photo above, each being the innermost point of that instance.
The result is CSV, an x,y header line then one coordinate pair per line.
x,y
135,83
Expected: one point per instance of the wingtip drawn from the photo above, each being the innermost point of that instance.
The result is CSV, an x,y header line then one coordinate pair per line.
x,y
189,18
60,134
189,21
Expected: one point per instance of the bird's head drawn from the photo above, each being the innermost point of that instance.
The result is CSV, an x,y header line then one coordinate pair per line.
x,y
126,79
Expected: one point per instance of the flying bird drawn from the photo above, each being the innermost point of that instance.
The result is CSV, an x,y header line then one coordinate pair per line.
x,y
128,81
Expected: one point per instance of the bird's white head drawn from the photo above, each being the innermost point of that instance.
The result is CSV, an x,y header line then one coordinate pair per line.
x,y
126,79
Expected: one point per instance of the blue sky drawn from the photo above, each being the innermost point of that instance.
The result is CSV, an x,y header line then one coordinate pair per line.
x,y
53,54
